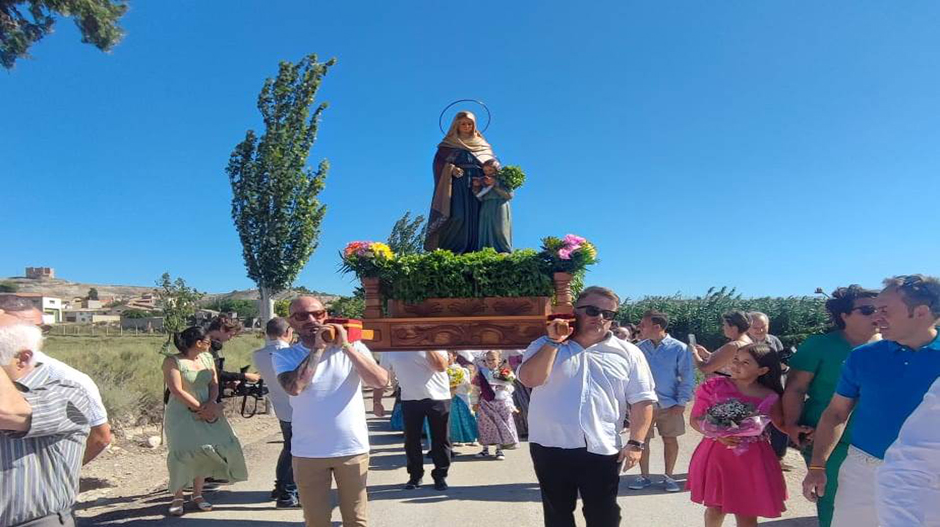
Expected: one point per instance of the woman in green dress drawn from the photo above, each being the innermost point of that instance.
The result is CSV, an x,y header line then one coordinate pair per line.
x,y
200,441
814,373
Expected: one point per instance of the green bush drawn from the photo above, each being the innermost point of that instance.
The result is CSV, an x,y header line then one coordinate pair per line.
x,y
792,319
127,370
511,177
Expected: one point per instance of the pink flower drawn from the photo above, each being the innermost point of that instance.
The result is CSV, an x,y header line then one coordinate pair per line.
x,y
564,254
572,239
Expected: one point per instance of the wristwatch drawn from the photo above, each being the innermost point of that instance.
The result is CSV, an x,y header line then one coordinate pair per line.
x,y
637,445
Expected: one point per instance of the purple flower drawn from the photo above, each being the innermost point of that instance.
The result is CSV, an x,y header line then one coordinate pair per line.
x,y
564,254
572,239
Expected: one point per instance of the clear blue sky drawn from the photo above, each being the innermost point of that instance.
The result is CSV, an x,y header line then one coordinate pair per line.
x,y
771,146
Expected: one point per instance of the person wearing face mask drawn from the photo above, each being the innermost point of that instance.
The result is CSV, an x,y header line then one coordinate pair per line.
x,y
814,372
880,385
583,379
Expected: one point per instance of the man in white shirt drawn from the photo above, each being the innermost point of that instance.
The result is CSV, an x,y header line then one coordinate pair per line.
x,y
908,483
330,438
582,383
280,335
425,393
99,437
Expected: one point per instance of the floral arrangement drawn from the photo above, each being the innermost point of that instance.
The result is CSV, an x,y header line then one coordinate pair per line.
x,y
511,177
457,375
504,373
569,254
733,418
365,258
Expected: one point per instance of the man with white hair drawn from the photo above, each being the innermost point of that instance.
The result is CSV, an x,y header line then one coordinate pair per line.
x,y
760,334
43,426
100,435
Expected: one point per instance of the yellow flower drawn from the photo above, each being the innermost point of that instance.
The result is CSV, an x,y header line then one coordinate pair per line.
x,y
589,249
381,250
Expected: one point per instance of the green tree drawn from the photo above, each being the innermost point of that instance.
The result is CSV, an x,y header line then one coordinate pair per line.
x,y
92,294
8,287
349,306
135,313
407,236
246,309
179,303
96,19
274,192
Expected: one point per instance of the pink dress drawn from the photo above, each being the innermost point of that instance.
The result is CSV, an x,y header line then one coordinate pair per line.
x,y
749,483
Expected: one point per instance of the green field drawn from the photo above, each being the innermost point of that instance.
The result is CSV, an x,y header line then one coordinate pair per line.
x,y
127,370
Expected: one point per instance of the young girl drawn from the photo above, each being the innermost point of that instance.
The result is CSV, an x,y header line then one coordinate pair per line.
x,y
492,401
463,426
495,228
732,475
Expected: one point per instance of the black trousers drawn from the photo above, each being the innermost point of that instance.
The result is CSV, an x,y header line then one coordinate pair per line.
x,y
438,416
778,441
563,473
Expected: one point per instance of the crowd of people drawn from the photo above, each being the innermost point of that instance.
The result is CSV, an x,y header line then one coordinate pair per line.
x,y
860,403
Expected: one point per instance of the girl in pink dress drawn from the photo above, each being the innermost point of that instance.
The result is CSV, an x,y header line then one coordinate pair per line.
x,y
734,475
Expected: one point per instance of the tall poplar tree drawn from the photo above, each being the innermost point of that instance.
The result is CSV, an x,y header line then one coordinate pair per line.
x,y
274,192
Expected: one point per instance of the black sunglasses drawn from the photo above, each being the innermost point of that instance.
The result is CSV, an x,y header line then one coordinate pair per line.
x,y
865,310
593,311
304,316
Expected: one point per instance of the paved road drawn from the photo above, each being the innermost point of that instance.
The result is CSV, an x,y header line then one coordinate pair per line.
x,y
483,493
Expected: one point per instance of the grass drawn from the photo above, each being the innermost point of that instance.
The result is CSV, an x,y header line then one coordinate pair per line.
x,y
127,370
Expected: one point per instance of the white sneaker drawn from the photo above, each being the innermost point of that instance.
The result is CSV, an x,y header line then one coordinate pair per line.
x,y
499,455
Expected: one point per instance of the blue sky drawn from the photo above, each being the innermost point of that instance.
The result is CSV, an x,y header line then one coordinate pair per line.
x,y
770,146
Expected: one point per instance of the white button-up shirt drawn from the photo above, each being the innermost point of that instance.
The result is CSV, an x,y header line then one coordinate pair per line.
x,y
908,483
584,401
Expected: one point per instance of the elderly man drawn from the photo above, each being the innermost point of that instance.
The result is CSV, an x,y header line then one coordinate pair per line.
x,y
670,362
582,382
893,374
43,426
280,335
100,435
324,375
759,333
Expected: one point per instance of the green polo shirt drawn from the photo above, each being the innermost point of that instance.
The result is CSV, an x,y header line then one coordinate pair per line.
x,y
823,356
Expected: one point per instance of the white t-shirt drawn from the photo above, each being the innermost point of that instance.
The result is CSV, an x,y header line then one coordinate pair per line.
x,y
584,401
98,414
329,416
264,363
418,380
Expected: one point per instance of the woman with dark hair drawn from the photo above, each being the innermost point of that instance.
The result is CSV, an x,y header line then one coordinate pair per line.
x,y
200,442
734,324
814,372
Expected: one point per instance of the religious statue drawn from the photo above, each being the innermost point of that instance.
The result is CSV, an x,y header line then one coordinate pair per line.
x,y
454,220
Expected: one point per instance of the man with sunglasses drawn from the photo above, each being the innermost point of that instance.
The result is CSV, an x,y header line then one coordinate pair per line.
x,y
814,373
880,386
583,380
330,439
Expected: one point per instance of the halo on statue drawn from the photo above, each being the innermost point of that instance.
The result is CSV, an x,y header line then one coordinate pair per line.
x,y
440,119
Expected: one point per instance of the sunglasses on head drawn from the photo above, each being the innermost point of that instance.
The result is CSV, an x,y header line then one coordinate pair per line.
x,y
865,310
593,311
305,315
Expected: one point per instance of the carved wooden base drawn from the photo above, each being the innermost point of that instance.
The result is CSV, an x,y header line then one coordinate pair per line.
x,y
454,333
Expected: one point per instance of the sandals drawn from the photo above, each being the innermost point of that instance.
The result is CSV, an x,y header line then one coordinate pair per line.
x,y
203,505
176,507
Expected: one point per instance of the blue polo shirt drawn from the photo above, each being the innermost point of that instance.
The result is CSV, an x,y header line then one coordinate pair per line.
x,y
888,381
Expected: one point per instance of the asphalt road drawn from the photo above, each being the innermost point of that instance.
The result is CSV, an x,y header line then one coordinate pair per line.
x,y
484,492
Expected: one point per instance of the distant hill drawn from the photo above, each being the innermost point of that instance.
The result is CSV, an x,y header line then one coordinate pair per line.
x,y
67,290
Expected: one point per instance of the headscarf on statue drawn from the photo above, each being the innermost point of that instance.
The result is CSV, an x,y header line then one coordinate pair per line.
x,y
443,169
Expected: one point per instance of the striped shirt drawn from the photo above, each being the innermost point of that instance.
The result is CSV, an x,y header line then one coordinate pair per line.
x,y
39,469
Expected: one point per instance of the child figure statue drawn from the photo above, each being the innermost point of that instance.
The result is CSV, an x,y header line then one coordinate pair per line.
x,y
495,214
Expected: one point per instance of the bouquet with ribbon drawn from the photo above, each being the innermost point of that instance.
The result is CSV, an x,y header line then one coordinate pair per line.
x,y
733,418
504,373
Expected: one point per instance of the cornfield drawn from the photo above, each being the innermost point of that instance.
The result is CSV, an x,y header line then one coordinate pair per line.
x,y
792,319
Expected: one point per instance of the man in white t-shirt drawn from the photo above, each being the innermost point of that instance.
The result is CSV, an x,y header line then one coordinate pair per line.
x,y
99,437
280,335
425,393
330,437
582,383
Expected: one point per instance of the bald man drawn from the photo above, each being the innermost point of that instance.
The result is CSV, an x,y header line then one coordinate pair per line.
x,y
330,439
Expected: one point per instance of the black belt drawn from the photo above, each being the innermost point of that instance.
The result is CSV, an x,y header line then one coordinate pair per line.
x,y
56,519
